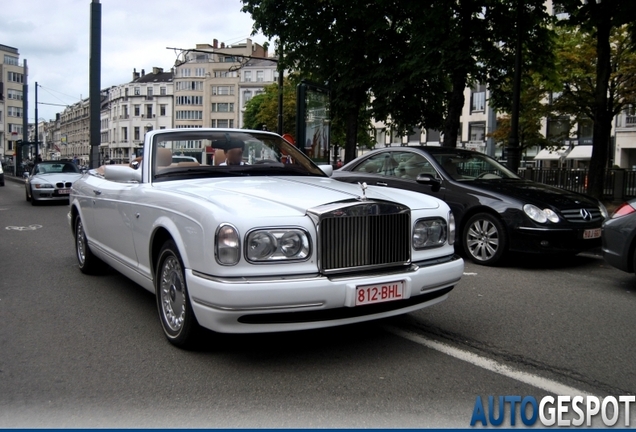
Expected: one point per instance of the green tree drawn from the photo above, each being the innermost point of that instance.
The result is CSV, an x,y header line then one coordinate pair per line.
x,y
252,109
262,109
599,20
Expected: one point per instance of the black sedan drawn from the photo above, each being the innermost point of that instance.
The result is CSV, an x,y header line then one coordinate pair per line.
x,y
495,210
619,238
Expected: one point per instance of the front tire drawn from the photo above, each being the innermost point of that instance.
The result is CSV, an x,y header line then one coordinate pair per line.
x,y
88,263
173,301
484,239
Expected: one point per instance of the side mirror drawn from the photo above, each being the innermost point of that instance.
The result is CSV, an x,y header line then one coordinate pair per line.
x,y
428,179
327,169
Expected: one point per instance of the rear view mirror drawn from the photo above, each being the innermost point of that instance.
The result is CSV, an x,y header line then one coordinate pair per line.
x,y
429,180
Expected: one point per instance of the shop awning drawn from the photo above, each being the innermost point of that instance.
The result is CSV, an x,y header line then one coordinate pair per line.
x,y
580,152
551,154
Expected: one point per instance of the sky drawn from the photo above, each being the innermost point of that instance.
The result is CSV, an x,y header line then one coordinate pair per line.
x,y
54,38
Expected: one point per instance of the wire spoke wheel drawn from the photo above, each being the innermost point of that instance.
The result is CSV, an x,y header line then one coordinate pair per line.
x,y
172,292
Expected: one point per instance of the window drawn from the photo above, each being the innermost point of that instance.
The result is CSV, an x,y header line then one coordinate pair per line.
x,y
14,111
477,131
149,91
259,76
136,133
124,134
148,111
586,131
223,123
189,115
137,109
478,98
248,76
558,129
190,85
223,107
15,77
14,94
163,91
200,72
162,110
189,100
229,59
223,90
247,96
185,72
137,91
11,60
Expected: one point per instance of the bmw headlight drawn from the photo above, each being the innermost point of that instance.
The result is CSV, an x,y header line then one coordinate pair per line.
x,y
43,186
277,244
227,245
428,233
538,215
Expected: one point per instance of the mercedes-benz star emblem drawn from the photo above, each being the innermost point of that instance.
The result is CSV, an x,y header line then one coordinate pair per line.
x,y
363,186
585,214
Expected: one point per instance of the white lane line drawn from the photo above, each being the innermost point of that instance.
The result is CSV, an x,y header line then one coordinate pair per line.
x,y
485,363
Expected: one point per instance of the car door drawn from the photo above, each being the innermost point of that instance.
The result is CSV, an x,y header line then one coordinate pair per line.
x,y
114,220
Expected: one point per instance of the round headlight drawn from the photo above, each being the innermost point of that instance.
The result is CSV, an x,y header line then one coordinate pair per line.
x,y
535,213
420,235
260,245
551,215
291,244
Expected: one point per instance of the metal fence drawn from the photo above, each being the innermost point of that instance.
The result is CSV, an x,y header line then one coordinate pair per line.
x,y
619,184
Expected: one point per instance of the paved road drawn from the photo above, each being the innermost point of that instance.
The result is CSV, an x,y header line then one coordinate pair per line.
x,y
81,351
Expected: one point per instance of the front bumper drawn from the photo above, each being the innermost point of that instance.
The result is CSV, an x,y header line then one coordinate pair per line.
x,y
553,240
283,304
48,195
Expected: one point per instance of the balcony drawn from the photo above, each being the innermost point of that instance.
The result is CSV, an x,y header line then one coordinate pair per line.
x,y
630,121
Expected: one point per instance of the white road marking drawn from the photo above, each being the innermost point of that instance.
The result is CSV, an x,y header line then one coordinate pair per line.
x,y
470,274
21,228
548,385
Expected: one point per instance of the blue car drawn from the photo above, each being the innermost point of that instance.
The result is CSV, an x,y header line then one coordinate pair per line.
x,y
619,237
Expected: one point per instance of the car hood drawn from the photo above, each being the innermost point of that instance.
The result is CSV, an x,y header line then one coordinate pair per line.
x,y
56,177
271,196
534,193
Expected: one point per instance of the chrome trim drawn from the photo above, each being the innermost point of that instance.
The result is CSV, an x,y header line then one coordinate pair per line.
x,y
545,229
258,279
253,309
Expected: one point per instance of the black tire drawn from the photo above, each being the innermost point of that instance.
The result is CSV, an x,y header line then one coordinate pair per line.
x,y
484,239
173,301
88,263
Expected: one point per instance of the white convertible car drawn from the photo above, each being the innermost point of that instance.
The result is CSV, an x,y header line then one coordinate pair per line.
x,y
257,238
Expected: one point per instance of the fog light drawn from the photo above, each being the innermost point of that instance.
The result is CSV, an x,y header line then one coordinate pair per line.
x,y
545,243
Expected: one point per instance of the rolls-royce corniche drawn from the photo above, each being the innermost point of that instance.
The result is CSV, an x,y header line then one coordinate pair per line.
x,y
252,236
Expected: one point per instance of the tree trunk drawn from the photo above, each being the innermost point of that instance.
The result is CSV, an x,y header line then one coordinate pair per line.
x,y
602,115
455,107
351,128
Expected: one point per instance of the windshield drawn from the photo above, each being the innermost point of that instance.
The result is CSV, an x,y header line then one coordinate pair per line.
x,y
193,153
55,168
467,166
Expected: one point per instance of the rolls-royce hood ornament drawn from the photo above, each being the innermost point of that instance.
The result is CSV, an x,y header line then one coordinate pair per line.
x,y
363,186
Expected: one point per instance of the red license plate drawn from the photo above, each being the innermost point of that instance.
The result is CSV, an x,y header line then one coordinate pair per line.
x,y
63,191
592,233
379,293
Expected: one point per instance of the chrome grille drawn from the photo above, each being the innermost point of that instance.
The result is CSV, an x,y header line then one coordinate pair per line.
x,y
582,215
368,237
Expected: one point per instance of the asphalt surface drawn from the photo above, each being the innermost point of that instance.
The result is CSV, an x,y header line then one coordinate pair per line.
x,y
88,351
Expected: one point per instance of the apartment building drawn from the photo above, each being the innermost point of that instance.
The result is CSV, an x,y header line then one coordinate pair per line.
x,y
132,109
256,74
12,78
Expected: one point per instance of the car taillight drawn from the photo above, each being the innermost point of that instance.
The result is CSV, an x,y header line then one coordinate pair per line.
x,y
623,210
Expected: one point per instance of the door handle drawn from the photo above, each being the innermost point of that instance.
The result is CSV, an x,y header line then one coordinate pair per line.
x,y
381,184
97,192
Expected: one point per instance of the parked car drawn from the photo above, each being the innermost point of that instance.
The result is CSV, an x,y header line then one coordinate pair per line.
x,y
51,181
495,210
1,176
619,237
181,158
258,247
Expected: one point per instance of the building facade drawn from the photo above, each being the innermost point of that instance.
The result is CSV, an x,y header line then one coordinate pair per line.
x,y
12,78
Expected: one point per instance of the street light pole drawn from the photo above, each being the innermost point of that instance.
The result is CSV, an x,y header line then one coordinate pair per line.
x,y
36,122
514,152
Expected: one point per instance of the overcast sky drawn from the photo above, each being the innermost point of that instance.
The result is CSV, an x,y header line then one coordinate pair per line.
x,y
54,37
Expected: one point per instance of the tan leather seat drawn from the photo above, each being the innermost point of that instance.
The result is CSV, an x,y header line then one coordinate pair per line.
x,y
164,157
